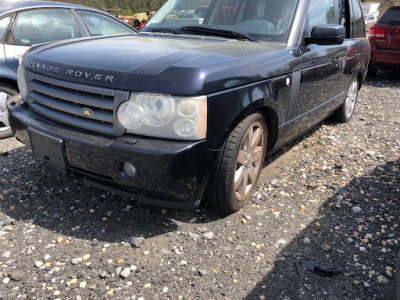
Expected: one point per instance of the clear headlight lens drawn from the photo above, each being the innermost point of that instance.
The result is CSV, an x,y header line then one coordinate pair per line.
x,y
158,108
22,84
134,112
164,116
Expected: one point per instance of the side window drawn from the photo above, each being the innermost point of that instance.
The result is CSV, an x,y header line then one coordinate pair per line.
x,y
99,24
4,23
358,20
344,16
43,25
320,12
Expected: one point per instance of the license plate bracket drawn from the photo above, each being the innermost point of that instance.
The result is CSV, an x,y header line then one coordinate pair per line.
x,y
48,147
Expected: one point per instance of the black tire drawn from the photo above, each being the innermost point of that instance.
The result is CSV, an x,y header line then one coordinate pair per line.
x,y
6,91
372,71
238,158
346,111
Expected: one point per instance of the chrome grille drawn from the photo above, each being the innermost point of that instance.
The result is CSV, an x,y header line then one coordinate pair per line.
x,y
65,102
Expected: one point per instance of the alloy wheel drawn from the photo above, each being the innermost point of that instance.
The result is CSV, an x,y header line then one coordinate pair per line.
x,y
4,122
351,98
249,161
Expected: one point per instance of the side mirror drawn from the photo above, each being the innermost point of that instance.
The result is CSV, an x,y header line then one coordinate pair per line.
x,y
327,34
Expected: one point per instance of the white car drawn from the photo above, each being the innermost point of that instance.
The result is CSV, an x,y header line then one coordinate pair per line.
x,y
25,23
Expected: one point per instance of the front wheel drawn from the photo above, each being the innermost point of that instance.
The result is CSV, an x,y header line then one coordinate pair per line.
x,y
235,176
345,112
6,91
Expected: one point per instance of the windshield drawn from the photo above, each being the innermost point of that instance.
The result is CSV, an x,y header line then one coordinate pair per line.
x,y
258,19
390,17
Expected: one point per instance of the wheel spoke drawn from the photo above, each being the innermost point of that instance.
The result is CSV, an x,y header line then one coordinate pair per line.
x,y
240,186
255,139
239,174
355,87
246,142
252,174
256,155
3,112
245,182
4,119
3,98
351,99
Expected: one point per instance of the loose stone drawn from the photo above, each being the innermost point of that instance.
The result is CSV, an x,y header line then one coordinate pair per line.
x,y
382,279
325,247
137,242
209,235
125,273
103,274
76,260
38,264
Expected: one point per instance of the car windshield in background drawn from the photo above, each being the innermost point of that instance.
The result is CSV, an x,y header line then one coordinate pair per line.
x,y
391,17
100,25
239,19
44,25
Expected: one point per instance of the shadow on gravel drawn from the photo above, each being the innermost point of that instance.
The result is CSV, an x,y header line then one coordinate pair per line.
x,y
36,193
341,230
41,195
384,78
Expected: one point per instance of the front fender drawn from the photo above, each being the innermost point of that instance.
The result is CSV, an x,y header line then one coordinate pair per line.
x,y
228,108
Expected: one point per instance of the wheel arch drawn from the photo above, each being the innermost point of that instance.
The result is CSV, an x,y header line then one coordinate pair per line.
x,y
271,117
9,82
272,125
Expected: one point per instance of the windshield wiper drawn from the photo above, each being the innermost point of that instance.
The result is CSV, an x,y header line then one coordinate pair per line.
x,y
218,32
165,30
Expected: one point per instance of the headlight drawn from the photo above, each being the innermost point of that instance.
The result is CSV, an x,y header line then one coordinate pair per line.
x,y
158,108
165,116
22,84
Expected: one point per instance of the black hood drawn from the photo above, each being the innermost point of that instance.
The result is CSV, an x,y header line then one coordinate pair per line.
x,y
159,63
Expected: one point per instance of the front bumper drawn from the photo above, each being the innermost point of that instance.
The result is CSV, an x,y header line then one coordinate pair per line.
x,y
169,173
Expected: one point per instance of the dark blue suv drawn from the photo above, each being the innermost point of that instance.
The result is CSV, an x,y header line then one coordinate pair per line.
x,y
186,110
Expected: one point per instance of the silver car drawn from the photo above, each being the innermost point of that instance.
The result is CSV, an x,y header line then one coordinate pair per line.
x,y
25,23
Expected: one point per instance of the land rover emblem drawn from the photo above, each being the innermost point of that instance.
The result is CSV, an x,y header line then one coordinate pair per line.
x,y
87,112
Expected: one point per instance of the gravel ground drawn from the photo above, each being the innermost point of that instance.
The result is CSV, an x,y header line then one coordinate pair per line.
x,y
331,197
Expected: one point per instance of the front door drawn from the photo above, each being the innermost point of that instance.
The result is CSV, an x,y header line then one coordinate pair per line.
x,y
322,67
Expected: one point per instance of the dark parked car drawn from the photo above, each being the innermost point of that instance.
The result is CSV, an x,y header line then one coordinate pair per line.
x,y
24,23
384,38
190,113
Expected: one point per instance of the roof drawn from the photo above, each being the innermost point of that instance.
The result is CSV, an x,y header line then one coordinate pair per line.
x,y
7,6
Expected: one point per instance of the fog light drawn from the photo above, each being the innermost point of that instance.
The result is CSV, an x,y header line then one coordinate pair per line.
x,y
128,169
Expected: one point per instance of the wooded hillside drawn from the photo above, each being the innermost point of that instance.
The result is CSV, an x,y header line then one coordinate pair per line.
x,y
120,7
